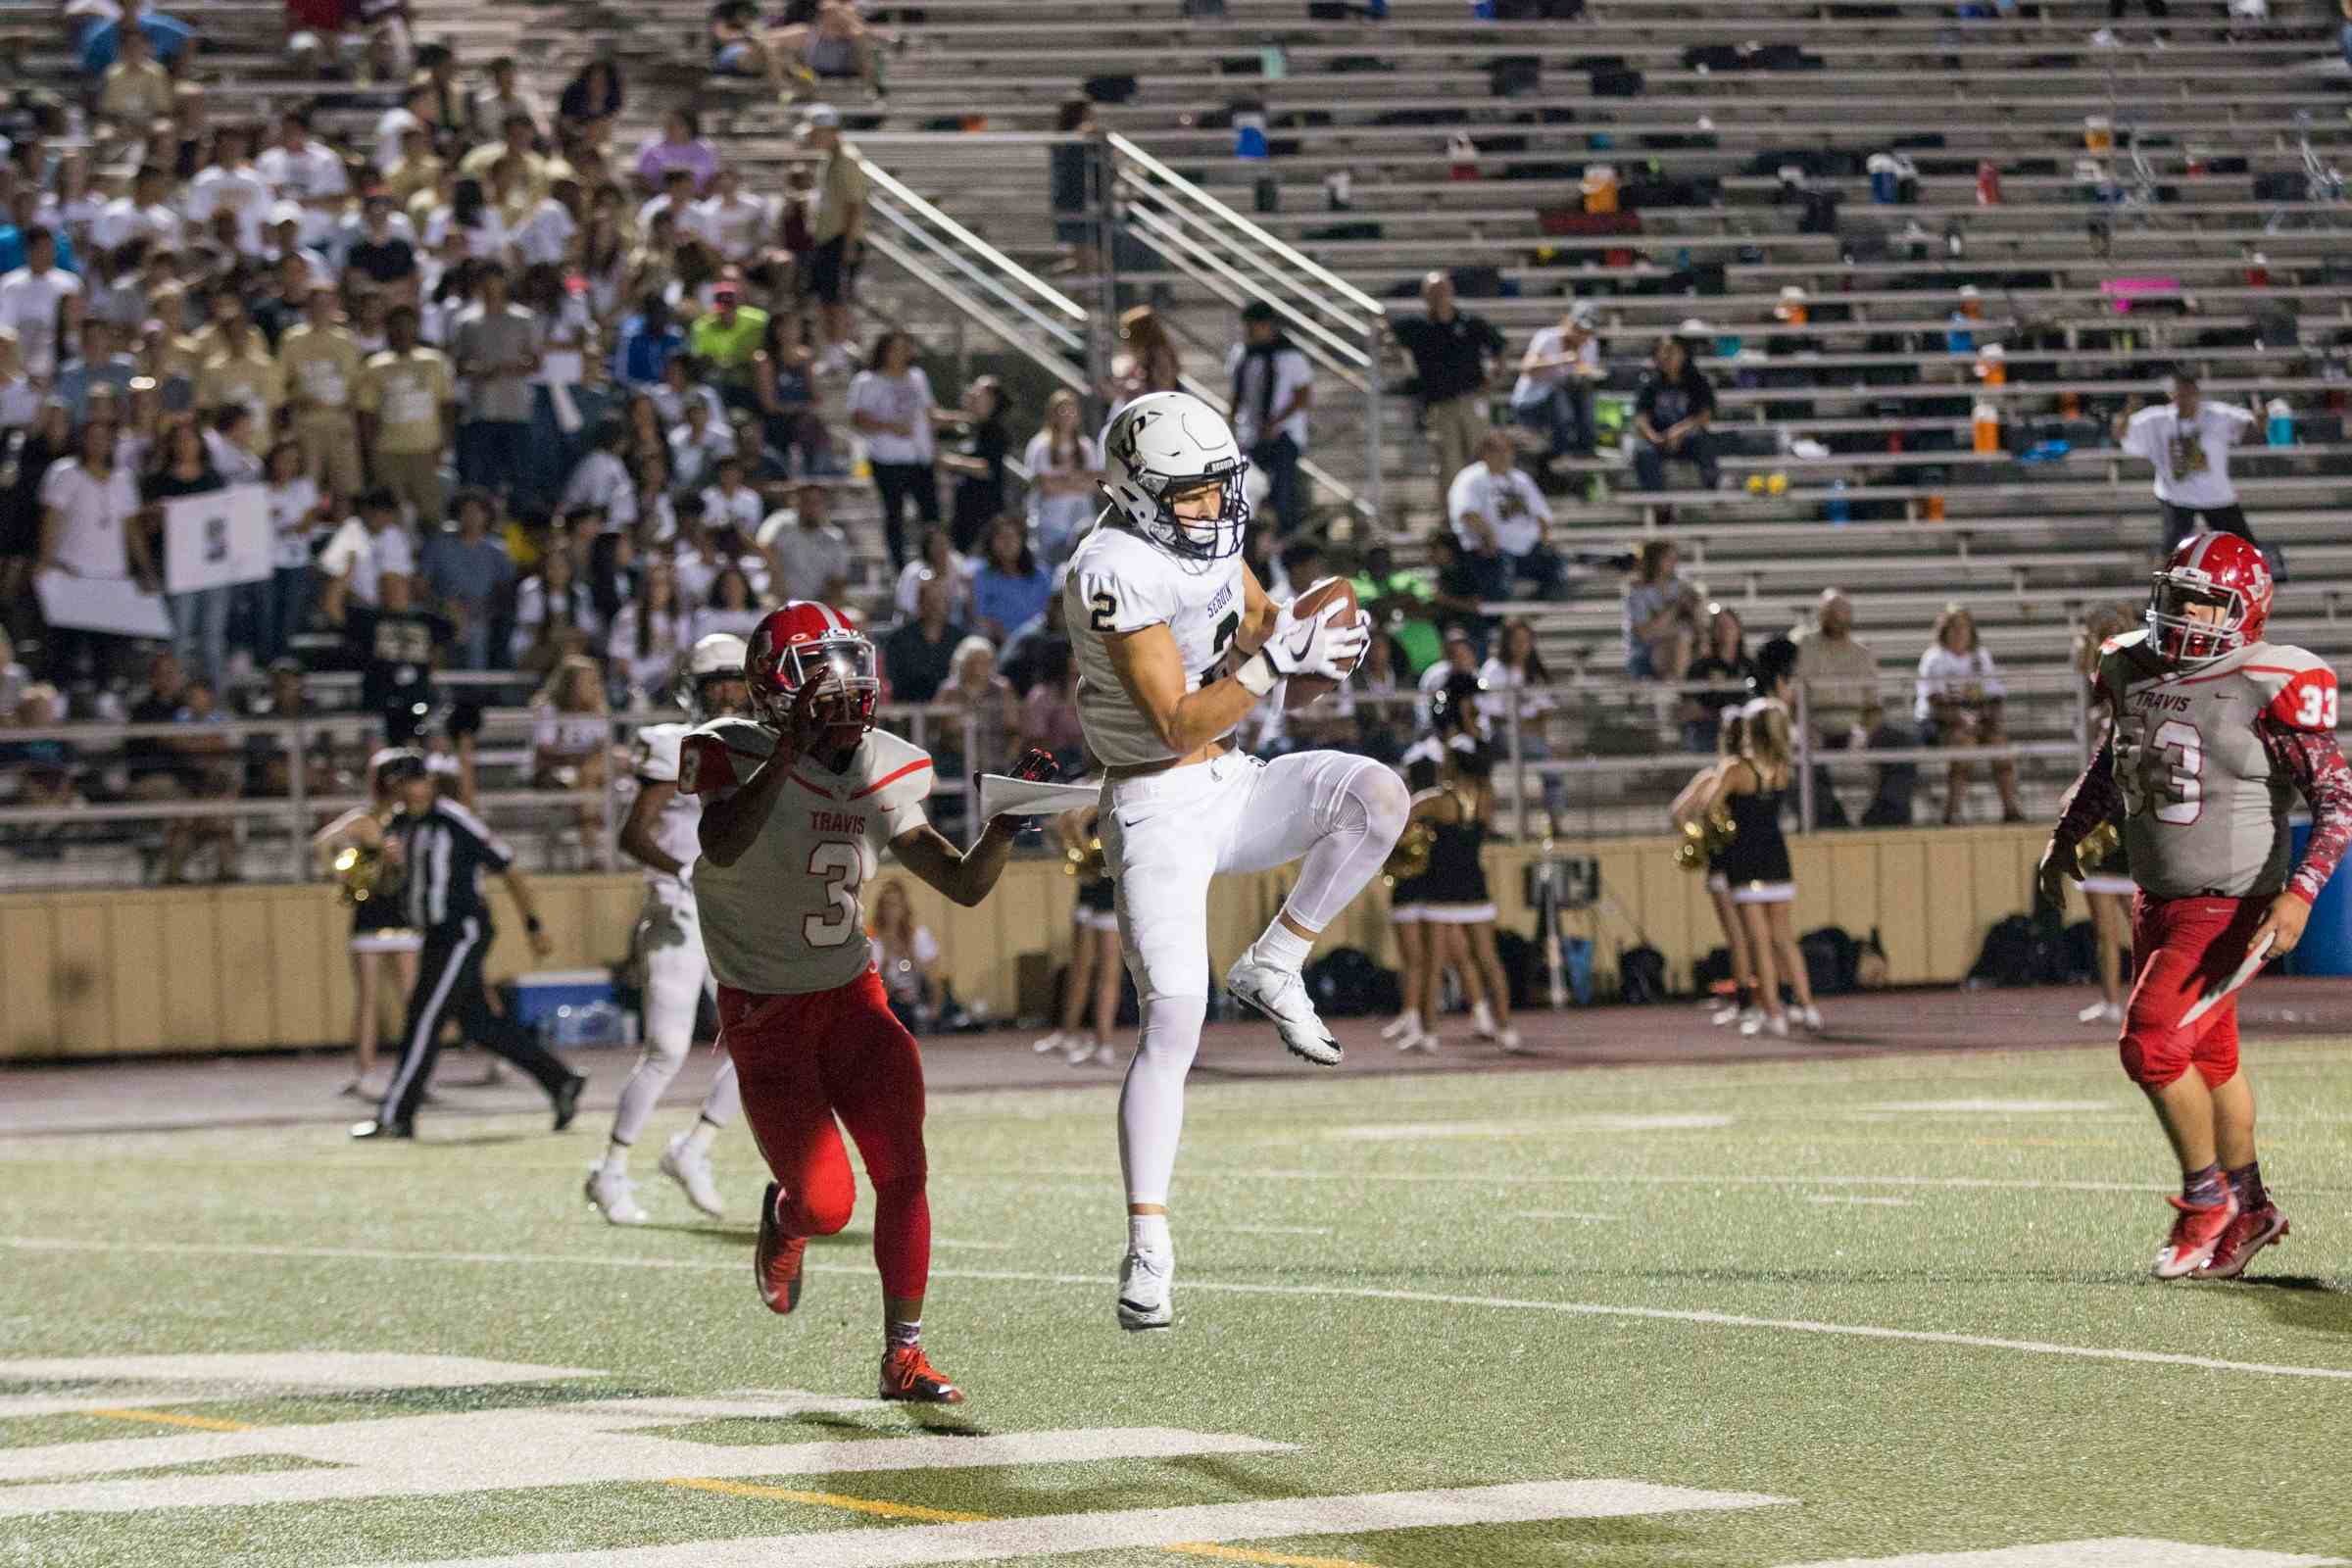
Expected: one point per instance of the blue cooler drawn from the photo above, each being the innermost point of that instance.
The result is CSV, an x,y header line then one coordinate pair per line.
x,y
2327,945
540,998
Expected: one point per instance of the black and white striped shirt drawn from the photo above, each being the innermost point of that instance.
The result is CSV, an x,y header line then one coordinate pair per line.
x,y
445,849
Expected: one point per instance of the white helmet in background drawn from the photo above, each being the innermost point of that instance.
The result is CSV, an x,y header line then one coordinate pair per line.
x,y
715,658
1163,445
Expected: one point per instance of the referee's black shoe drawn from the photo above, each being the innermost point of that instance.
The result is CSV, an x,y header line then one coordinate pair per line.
x,y
568,1100
384,1129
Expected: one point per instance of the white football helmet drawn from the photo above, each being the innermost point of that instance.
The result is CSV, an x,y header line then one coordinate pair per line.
x,y
715,658
1164,444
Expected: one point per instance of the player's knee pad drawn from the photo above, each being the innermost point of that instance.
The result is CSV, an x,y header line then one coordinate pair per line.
x,y
2152,1057
1384,799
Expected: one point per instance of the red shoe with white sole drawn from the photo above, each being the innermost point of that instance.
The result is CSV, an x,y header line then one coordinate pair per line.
x,y
2195,1233
2248,1234
776,1264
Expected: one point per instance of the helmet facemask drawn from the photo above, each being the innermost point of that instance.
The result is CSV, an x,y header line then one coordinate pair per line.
x,y
705,700
2181,637
846,711
1212,538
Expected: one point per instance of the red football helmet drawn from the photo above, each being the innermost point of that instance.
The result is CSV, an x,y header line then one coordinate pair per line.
x,y
2219,570
808,641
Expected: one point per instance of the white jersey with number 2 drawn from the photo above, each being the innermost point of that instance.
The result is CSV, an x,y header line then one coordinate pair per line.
x,y
1122,582
784,919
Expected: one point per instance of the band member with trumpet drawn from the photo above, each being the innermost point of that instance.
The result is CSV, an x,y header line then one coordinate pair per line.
x,y
1095,959
1457,908
1705,836
351,849
1750,788
2105,877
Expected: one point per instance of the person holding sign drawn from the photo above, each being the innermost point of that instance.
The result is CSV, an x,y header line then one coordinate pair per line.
x,y
89,504
199,615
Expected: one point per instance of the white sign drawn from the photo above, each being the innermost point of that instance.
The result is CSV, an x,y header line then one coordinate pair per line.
x,y
101,604
216,539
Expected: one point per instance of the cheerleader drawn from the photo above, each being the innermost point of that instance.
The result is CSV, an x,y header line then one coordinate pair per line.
x,y
2107,886
1457,909
1452,708
380,936
1728,738
1756,866
1094,950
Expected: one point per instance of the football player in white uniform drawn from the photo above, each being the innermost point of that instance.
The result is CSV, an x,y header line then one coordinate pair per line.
x,y
660,835
1176,643
799,806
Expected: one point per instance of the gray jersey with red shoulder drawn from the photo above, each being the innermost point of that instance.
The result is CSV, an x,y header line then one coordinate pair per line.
x,y
784,919
2205,804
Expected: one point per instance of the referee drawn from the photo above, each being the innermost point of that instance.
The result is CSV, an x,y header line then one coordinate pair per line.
x,y
443,848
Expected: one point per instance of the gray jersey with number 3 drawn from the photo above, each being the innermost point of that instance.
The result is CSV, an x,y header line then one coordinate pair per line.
x,y
1122,582
2205,805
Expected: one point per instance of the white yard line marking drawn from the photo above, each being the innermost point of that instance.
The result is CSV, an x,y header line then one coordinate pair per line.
x,y
1259,1230
1980,1182
2118,1552
1148,1528
551,1445
1658,1314
971,1247
134,1382
1995,1107
1558,1213
1402,1132
1838,1197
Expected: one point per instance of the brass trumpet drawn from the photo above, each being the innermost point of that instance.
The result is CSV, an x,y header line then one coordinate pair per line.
x,y
1411,857
2094,847
1705,839
359,873
1085,864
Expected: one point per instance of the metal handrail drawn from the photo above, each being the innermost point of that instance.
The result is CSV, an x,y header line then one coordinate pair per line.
x,y
914,267
900,190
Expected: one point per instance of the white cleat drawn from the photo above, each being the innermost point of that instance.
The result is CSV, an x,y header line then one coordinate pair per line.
x,y
615,1196
1146,1282
1057,1041
1087,1051
1728,1014
1404,1026
2099,1012
1809,1018
1509,1040
692,1171
1481,1021
1763,1025
1281,995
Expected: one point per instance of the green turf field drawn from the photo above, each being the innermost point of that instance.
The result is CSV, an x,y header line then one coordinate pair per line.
x,y
1854,1310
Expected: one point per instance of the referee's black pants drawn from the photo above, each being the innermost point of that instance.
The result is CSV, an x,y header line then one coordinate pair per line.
x,y
449,985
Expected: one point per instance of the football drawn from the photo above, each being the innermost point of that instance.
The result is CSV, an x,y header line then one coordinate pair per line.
x,y
1302,690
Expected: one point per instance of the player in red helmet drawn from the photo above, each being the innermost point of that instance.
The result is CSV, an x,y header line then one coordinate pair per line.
x,y
798,805
2213,732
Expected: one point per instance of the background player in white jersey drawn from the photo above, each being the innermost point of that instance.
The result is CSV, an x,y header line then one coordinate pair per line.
x,y
1176,643
2213,732
660,835
798,806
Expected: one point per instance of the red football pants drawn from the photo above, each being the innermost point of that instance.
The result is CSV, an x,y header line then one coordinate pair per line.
x,y
2181,947
803,1060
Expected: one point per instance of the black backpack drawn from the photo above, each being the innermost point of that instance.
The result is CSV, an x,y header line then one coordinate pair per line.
x,y
1832,960
1347,982
2019,952
1640,975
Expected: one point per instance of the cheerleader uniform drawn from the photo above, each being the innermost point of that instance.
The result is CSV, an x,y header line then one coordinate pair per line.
x,y
1095,911
1456,893
1755,863
380,924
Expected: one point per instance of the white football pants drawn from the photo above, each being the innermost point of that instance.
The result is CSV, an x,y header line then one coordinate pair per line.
x,y
1165,836
669,940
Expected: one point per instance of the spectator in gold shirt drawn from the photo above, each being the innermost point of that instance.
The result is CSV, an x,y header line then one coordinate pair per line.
x,y
406,406
137,90
322,367
238,368
1840,677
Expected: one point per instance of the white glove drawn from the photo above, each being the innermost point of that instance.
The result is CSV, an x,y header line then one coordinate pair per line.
x,y
1307,646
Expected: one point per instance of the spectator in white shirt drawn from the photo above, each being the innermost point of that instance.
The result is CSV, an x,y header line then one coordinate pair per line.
x,y
810,556
1556,377
544,239
1273,387
1064,466
145,213
732,503
88,504
363,552
651,634
729,222
416,109
303,169
38,302
1501,518
937,556
2187,441
601,483
697,445
1959,703
230,184
891,405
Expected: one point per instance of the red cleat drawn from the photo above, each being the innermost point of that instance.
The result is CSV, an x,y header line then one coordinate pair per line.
x,y
2248,1234
908,1374
2195,1236
776,1264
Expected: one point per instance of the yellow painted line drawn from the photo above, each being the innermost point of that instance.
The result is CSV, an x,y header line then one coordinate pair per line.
x,y
830,1500
1197,1548
944,1516
202,1423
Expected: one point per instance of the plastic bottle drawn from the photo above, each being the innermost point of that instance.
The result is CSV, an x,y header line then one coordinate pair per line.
x,y
1840,510
1988,426
2282,430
